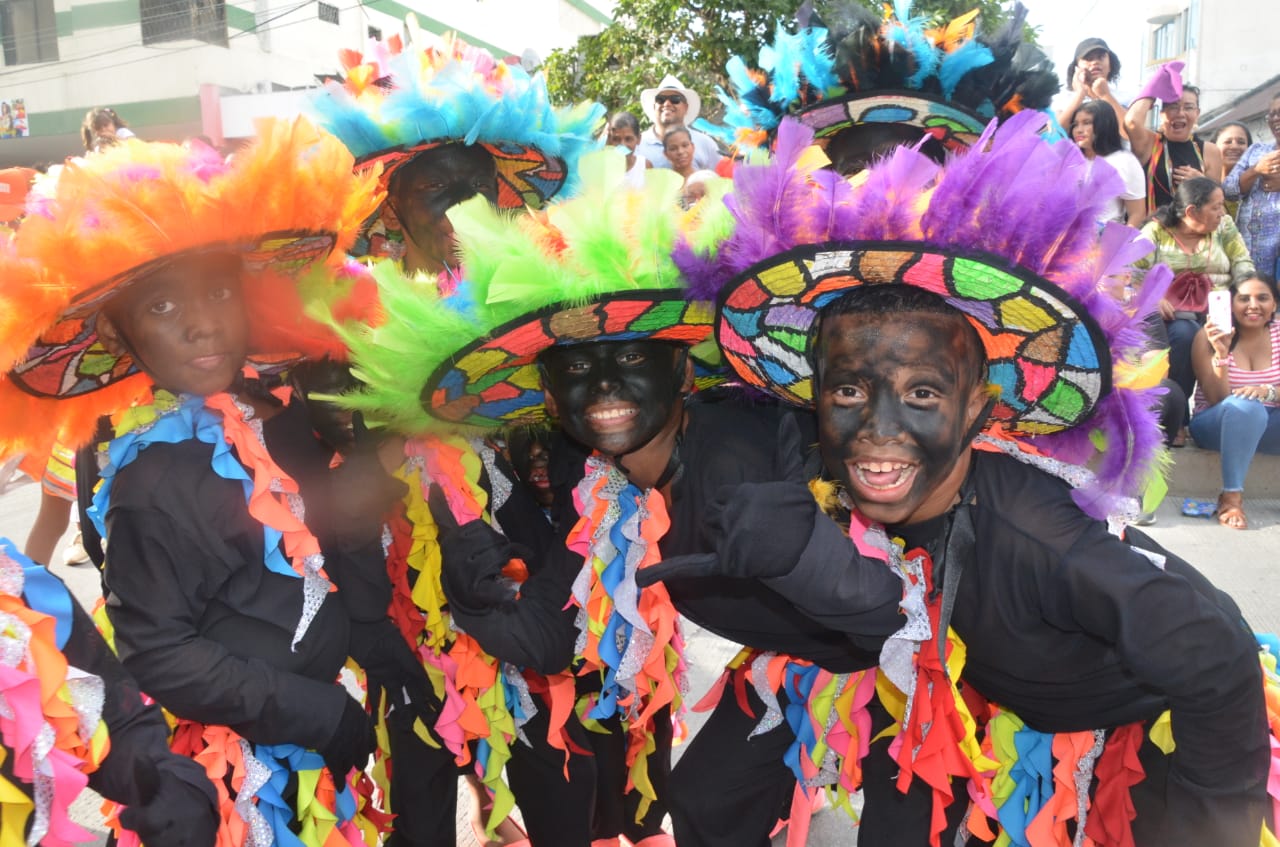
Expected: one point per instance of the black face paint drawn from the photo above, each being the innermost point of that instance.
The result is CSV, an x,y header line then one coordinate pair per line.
x,y
895,406
432,183
185,324
853,150
614,396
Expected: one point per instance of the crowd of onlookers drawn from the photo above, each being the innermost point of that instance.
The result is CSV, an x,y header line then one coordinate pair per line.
x,y
1211,208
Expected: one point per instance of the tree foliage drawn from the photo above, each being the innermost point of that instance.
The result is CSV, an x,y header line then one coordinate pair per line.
x,y
692,39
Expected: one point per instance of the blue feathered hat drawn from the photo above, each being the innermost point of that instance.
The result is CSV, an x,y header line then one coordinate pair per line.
x,y
855,69
395,103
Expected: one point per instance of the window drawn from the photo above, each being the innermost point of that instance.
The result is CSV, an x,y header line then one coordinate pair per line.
x,y
328,14
375,33
27,31
180,20
1170,38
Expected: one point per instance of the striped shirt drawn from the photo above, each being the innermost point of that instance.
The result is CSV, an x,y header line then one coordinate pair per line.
x,y
1238,377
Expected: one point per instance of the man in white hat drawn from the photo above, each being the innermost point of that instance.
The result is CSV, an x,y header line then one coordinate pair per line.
x,y
670,106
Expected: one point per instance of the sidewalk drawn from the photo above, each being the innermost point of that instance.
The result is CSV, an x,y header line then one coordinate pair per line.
x,y
1241,563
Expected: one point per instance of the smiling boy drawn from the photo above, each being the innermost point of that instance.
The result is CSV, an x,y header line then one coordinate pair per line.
x,y
1051,677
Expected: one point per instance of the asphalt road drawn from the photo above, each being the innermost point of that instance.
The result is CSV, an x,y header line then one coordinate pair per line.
x,y
1242,563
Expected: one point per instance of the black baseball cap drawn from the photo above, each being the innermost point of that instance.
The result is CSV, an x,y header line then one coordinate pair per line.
x,y
1086,47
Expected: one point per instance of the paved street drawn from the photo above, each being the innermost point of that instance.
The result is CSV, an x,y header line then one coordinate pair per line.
x,y
1242,563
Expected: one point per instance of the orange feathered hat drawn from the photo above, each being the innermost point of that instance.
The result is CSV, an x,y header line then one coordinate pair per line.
x,y
289,204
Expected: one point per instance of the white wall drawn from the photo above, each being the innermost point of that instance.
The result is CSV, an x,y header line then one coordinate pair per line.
x,y
110,65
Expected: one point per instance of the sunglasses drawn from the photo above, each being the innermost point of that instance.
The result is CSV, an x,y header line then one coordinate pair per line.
x,y
673,99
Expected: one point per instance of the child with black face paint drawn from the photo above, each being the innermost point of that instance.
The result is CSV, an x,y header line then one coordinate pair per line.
x,y
225,525
1052,679
605,346
447,122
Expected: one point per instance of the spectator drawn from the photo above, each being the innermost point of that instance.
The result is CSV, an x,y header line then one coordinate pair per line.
x,y
1232,139
1256,181
1173,154
677,146
1238,401
102,124
671,105
624,131
695,187
1201,245
1096,132
1090,77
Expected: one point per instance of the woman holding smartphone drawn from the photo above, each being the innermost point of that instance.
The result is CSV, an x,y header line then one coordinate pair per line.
x,y
1237,401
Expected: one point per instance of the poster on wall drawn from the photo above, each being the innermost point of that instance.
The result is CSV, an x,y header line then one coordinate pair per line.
x,y
13,119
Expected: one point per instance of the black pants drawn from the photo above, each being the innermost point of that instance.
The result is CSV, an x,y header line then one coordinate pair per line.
x,y
424,791
728,790
593,802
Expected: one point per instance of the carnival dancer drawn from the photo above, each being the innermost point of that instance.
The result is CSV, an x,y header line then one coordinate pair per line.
x,y
170,278
446,121
580,314
867,84
1053,684
75,719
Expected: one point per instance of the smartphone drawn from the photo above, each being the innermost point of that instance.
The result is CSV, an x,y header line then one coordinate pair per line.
x,y
1220,309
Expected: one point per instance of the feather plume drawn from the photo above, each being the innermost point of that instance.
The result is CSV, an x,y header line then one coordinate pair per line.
x,y
607,241
452,91
1012,195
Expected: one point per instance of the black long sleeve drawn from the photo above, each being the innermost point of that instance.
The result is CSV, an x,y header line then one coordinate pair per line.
x,y
200,621
139,736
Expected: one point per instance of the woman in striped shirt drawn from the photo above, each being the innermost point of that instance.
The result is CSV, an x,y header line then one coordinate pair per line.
x,y
1237,409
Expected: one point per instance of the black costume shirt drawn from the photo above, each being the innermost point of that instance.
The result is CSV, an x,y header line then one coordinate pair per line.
x,y
1072,629
724,443
199,620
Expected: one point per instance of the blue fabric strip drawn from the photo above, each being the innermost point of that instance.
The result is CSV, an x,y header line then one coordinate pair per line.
x,y
192,419
44,592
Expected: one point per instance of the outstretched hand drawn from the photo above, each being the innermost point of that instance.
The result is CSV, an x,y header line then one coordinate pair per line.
x,y
757,529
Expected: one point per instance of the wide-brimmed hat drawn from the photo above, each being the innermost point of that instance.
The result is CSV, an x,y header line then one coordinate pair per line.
x,y
1044,350
670,83
284,204
1005,233
946,82
595,268
394,103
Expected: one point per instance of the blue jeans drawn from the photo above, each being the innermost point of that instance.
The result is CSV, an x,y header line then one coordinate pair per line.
x,y
1237,428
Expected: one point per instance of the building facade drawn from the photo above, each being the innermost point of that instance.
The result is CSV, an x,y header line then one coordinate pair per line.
x,y
176,68
1229,50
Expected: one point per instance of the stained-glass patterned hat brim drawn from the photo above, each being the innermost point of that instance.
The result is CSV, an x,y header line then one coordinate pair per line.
x,y
526,175
495,382
1044,351
70,359
955,127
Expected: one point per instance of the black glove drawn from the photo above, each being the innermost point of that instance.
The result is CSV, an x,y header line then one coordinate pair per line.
x,y
393,672
353,742
758,530
176,812
472,558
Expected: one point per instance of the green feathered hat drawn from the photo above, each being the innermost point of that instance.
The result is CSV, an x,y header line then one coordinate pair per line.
x,y
595,268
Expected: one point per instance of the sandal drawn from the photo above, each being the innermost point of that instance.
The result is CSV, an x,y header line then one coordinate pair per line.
x,y
1231,514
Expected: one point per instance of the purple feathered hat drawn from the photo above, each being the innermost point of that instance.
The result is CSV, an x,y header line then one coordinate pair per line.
x,y
1006,233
